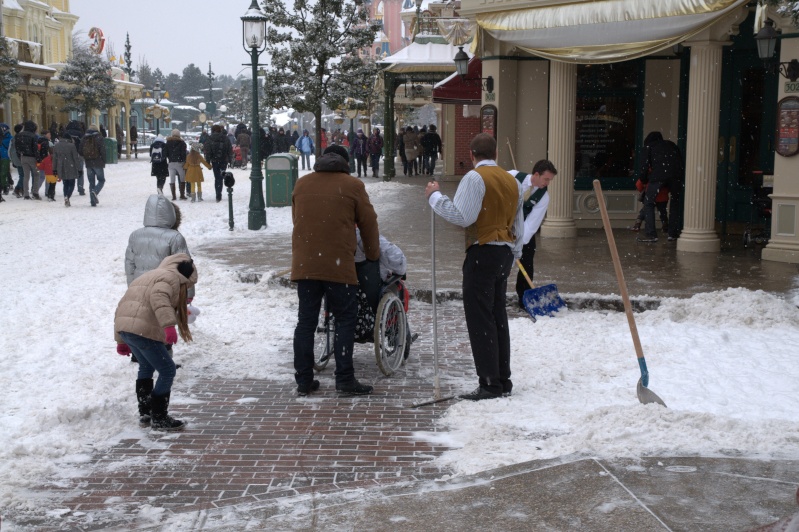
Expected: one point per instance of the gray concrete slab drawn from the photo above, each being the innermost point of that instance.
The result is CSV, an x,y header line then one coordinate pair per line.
x,y
676,494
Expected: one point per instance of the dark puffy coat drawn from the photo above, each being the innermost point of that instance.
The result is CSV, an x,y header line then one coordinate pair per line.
x,y
76,132
218,149
176,150
159,169
92,135
25,140
325,207
663,159
66,161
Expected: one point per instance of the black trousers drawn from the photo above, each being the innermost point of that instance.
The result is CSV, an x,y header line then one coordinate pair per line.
x,y
344,306
485,281
218,168
528,254
675,205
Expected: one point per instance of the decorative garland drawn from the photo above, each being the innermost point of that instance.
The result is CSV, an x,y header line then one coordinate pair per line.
x,y
98,40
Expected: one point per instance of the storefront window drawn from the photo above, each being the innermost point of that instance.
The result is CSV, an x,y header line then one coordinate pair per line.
x,y
607,123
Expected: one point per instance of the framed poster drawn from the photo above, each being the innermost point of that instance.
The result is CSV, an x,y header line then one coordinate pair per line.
x,y
488,120
788,126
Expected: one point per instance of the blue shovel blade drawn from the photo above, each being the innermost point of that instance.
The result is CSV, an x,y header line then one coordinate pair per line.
x,y
543,300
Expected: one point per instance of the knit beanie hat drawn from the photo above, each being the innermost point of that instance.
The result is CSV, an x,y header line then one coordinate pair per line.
x,y
176,133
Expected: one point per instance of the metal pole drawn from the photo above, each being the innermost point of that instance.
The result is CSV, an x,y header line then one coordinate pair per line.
x,y
256,218
230,206
436,384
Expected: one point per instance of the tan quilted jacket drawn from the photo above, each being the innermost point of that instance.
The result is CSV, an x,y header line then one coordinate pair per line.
x,y
151,302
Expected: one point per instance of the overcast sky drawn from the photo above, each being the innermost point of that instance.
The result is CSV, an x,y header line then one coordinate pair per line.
x,y
170,34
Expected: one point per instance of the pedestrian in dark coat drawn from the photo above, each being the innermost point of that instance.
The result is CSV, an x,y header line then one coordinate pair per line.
x,y
219,152
25,144
159,166
67,164
664,166
375,149
176,151
359,151
326,206
92,149
76,130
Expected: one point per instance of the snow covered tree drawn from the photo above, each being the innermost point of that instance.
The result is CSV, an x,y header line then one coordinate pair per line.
x,y
145,76
87,83
306,42
787,8
128,59
192,82
9,77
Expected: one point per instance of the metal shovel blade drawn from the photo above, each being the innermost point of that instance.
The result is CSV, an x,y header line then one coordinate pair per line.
x,y
542,300
647,396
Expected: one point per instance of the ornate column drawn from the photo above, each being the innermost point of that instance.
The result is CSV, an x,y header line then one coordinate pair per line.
x,y
701,157
559,222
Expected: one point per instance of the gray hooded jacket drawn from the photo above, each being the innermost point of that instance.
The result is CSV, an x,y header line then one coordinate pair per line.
x,y
158,239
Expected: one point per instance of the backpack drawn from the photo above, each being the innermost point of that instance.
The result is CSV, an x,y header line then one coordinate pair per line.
x,y
218,149
157,154
90,149
42,149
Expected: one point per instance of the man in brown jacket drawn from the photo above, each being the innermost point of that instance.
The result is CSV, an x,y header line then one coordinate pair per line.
x,y
326,206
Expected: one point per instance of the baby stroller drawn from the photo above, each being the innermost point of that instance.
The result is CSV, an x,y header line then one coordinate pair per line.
x,y
758,229
237,162
384,324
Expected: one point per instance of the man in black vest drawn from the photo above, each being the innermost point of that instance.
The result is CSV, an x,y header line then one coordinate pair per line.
x,y
534,189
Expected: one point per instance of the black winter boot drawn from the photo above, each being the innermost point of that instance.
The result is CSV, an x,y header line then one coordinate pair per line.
x,y
144,388
161,420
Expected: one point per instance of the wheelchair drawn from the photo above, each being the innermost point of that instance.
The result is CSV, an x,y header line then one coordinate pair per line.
x,y
386,327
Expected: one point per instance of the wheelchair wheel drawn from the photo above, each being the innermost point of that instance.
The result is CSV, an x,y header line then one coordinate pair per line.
x,y
325,333
390,333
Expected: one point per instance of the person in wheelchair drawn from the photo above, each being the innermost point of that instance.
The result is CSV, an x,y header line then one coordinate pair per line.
x,y
372,278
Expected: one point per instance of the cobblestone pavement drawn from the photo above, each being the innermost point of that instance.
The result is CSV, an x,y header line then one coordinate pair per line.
x,y
250,441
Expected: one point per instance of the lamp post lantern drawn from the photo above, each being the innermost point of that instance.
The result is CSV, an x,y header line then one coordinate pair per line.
x,y
254,40
202,117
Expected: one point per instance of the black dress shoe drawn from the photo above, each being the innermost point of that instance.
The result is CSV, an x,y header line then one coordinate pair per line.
x,y
479,394
354,388
307,388
647,239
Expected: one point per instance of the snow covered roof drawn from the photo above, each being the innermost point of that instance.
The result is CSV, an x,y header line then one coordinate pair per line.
x,y
418,57
11,4
187,108
36,66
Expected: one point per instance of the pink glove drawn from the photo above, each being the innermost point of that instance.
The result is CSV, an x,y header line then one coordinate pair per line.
x,y
123,349
189,300
171,335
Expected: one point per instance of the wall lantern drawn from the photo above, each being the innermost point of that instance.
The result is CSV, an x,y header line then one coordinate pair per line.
x,y
766,40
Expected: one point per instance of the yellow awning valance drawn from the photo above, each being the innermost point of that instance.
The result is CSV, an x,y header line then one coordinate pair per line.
x,y
603,31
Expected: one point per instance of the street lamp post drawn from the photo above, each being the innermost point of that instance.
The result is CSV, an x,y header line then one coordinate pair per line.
x,y
254,40
157,110
202,117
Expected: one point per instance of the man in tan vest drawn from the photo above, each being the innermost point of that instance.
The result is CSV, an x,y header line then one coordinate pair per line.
x,y
488,203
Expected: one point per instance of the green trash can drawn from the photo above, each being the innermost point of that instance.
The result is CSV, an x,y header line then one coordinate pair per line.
x,y
281,176
111,156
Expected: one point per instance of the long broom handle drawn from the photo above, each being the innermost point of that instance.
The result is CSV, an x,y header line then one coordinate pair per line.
x,y
512,158
628,308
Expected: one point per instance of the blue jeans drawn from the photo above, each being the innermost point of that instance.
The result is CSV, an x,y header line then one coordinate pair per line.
x,y
344,306
430,163
152,356
219,168
100,174
306,160
69,187
375,162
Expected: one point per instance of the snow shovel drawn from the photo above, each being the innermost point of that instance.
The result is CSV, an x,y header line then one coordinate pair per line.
x,y
541,301
645,395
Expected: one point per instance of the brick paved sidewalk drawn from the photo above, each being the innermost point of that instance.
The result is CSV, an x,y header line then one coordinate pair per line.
x,y
250,441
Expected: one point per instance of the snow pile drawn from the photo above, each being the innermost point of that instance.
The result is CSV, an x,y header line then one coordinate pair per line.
x,y
725,363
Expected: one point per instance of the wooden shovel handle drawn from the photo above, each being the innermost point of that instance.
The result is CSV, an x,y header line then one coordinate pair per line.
x,y
628,308
512,158
524,272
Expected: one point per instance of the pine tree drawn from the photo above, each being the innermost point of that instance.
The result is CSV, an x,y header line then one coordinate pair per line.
x,y
145,74
9,77
306,42
87,83
128,59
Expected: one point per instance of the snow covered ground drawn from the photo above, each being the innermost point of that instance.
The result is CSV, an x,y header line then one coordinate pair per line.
x,y
726,363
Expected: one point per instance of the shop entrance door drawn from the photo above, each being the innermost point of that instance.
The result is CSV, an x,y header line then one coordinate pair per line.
x,y
746,134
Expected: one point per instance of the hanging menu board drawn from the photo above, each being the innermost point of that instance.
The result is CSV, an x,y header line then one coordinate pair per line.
x,y
488,120
788,126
